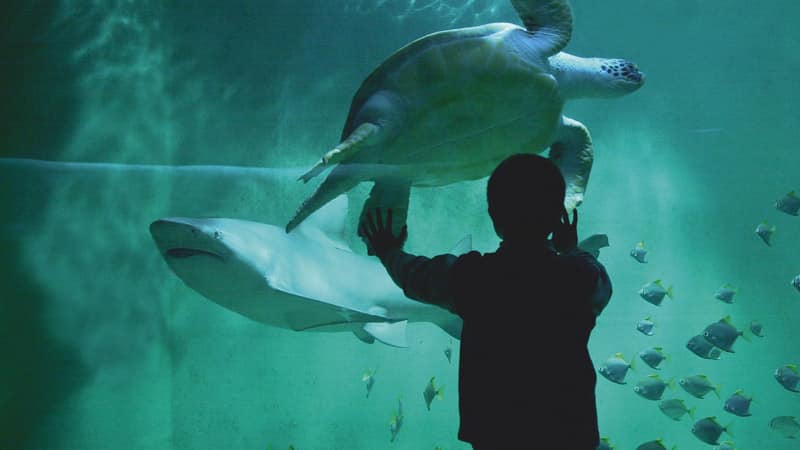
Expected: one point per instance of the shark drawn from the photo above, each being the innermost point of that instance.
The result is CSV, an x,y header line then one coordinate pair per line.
x,y
305,280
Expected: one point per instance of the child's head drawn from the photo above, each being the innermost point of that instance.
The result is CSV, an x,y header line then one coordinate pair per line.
x,y
526,196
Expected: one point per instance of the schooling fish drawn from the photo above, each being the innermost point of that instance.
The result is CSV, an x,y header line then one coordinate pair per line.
x,y
369,380
646,326
654,292
789,204
615,368
698,386
639,252
702,348
653,356
723,334
396,421
709,430
738,404
756,328
726,293
796,283
658,444
605,444
652,387
431,392
675,408
787,426
448,352
788,377
765,232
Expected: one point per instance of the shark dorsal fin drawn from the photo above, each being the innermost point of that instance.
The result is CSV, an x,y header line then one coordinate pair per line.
x,y
463,246
328,222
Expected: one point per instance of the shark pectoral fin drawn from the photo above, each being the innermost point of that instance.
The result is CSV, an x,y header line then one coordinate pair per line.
x,y
389,333
572,152
345,150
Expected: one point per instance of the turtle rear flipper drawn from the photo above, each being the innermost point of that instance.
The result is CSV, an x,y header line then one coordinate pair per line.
x,y
572,152
341,179
343,151
550,22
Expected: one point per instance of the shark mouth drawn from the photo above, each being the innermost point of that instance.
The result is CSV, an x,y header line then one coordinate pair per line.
x,y
183,253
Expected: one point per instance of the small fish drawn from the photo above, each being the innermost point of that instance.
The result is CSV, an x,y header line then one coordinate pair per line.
x,y
765,232
789,204
756,328
709,430
788,377
448,352
369,380
726,293
796,283
654,292
396,422
652,387
615,368
653,356
698,386
605,444
431,392
723,334
675,409
658,444
738,404
646,326
787,426
639,252
702,348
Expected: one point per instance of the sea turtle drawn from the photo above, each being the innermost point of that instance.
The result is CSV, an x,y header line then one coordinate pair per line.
x,y
451,105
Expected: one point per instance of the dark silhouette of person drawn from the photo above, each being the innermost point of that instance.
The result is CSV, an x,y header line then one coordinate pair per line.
x,y
526,380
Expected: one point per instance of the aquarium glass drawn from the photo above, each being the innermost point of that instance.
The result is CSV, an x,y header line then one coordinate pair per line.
x,y
115,114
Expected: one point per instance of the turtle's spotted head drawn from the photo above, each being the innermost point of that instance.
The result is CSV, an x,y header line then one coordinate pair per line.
x,y
621,74
595,77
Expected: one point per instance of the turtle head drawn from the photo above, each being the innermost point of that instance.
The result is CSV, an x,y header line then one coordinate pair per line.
x,y
595,77
619,76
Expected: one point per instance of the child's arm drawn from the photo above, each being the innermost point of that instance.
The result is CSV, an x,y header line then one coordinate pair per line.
x,y
421,278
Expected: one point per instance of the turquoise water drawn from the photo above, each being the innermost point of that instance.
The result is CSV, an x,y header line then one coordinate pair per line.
x,y
104,347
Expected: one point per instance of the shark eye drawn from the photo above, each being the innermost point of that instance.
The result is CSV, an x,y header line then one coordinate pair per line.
x,y
217,235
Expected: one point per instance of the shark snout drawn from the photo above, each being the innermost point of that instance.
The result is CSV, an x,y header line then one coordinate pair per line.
x,y
179,238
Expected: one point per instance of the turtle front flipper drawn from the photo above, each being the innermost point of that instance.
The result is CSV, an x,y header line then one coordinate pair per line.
x,y
572,152
550,22
387,193
343,151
